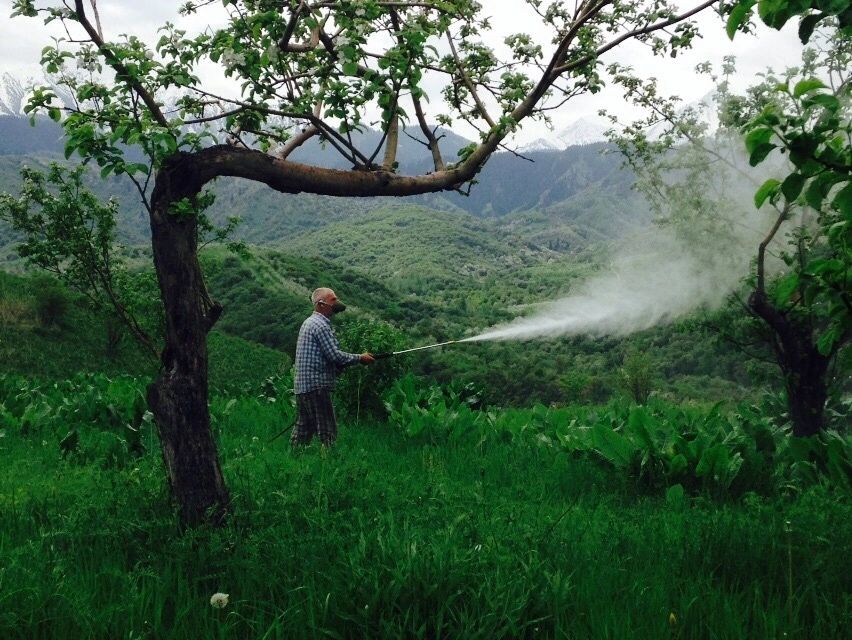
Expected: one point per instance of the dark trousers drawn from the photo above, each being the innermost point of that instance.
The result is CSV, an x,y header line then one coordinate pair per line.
x,y
314,417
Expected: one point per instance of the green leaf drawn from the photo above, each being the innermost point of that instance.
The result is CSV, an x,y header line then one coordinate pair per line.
x,y
675,494
826,341
613,446
822,99
756,137
758,145
739,16
641,423
678,465
767,189
707,462
786,286
807,25
54,114
792,186
70,146
843,201
350,68
818,267
759,154
818,189
775,13
804,86
137,167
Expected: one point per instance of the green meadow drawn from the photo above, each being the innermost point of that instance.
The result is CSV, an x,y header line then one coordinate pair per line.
x,y
478,524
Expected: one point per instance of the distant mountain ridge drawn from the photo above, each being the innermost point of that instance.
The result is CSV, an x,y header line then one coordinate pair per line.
x,y
582,192
580,132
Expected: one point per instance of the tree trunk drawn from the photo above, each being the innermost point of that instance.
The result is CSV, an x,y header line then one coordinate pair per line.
x,y
803,366
178,396
806,396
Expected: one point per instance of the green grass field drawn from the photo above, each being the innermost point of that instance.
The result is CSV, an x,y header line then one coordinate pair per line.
x,y
390,536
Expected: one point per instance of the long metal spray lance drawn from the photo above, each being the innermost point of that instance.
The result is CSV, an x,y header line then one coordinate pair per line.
x,y
380,356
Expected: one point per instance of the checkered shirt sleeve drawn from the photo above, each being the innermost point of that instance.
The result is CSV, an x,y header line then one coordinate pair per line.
x,y
318,355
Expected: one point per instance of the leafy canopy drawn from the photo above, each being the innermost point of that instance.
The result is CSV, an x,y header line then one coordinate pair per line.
x,y
328,70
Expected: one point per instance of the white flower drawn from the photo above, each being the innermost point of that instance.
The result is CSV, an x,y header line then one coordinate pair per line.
x,y
272,53
87,60
232,59
360,12
219,600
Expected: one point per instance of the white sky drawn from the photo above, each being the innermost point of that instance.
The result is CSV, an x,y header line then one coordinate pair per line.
x,y
21,41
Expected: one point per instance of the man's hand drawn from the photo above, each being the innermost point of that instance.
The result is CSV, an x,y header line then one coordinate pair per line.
x,y
367,358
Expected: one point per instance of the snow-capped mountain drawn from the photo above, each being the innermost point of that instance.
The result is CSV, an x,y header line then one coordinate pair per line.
x,y
12,94
582,131
579,132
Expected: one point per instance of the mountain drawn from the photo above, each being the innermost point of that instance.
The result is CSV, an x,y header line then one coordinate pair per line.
x,y
580,132
12,93
509,184
582,191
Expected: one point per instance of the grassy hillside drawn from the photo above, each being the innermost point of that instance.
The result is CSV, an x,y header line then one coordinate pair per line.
x,y
77,341
413,247
266,297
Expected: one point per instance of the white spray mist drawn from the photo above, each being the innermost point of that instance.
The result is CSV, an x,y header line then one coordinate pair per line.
x,y
654,278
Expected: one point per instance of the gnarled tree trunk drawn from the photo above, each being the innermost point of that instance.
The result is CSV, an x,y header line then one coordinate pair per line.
x,y
803,366
178,396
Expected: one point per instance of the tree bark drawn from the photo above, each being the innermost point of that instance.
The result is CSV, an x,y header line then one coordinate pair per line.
x,y
178,397
803,366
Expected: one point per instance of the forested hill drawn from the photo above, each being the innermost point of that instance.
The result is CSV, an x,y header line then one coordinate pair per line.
x,y
559,200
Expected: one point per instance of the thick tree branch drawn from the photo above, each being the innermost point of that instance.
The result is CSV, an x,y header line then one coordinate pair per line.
x,y
293,177
297,141
391,143
761,250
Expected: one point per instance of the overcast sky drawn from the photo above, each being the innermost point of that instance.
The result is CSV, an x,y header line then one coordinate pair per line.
x,y
21,40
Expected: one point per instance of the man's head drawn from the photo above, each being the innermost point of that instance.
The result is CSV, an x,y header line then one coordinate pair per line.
x,y
325,302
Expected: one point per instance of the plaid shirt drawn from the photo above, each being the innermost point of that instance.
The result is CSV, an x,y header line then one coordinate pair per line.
x,y
318,355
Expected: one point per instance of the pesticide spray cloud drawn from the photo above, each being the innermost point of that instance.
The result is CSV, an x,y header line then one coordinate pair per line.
x,y
654,278
668,271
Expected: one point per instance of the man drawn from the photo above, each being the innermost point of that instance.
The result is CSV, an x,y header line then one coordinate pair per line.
x,y
318,361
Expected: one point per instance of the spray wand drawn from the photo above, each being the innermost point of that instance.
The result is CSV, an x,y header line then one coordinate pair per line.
x,y
388,354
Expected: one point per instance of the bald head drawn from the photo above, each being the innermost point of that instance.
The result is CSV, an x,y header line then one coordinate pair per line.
x,y
326,302
321,295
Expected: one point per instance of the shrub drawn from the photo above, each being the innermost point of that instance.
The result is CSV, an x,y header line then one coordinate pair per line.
x,y
637,376
51,302
360,389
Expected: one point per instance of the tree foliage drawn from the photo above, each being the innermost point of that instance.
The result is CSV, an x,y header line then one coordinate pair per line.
x,y
68,232
328,69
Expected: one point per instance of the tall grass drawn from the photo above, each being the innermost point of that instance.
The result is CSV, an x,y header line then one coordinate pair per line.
x,y
386,536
